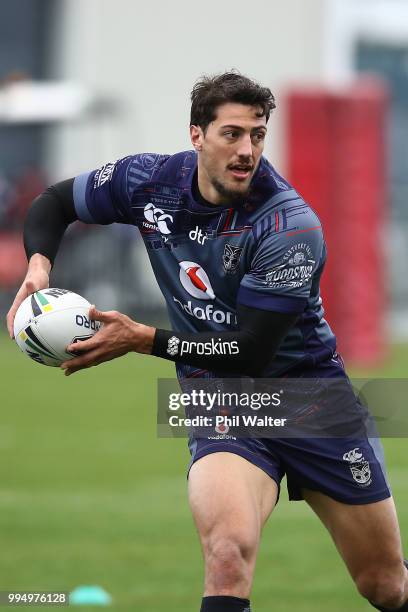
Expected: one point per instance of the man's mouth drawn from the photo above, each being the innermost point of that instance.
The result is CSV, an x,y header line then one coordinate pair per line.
x,y
240,171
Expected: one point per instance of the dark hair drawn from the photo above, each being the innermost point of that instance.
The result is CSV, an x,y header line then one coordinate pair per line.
x,y
211,91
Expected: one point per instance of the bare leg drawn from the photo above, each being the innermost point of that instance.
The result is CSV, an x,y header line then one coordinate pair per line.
x,y
368,538
230,499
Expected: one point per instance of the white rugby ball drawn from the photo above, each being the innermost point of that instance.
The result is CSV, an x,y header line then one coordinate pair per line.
x,y
48,321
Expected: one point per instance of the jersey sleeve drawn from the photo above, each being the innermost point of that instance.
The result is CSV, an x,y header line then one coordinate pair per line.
x,y
104,195
282,268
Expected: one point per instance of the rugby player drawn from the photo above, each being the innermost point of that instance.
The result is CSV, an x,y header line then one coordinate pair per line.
x,y
238,256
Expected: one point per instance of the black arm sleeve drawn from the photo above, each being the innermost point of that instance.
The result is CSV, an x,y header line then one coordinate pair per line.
x,y
48,218
244,351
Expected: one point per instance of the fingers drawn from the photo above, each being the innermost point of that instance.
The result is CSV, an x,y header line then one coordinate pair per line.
x,y
85,346
10,321
29,286
20,297
82,346
87,353
88,360
99,315
113,340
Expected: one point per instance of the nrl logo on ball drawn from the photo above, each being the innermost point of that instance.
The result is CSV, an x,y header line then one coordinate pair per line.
x,y
359,467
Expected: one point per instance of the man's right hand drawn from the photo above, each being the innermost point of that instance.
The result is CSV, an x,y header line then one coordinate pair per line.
x,y
37,278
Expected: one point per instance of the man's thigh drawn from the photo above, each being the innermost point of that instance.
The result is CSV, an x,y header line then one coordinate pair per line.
x,y
227,493
366,535
230,499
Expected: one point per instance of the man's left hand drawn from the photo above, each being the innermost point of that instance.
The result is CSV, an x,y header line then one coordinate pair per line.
x,y
117,336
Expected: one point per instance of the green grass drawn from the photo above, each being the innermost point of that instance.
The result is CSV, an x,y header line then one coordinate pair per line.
x,y
90,495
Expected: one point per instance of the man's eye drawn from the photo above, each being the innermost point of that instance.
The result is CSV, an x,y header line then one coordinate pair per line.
x,y
259,136
231,134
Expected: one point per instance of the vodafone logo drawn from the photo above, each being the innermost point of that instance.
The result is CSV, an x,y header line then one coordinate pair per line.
x,y
222,429
195,281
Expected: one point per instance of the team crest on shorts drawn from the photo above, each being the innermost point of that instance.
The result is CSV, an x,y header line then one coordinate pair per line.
x,y
230,257
359,467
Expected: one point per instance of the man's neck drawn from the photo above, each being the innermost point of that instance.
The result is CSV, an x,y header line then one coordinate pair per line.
x,y
207,190
198,195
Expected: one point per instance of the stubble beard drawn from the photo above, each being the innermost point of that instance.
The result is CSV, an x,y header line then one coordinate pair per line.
x,y
231,196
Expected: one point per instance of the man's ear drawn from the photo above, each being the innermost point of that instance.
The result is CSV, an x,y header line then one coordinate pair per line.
x,y
197,137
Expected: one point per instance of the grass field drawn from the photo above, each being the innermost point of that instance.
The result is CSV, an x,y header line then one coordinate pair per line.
x,y
89,495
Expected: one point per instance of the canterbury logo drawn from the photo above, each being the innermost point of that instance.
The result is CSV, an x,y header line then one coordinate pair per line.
x,y
353,456
158,217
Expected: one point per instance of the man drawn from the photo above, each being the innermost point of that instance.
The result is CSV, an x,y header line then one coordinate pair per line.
x,y
238,256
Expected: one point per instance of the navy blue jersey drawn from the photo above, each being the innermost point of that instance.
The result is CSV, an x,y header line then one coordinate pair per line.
x,y
266,253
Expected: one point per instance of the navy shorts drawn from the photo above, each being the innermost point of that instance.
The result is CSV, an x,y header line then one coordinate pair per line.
x,y
348,469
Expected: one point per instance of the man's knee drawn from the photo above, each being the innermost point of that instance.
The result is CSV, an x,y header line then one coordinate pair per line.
x,y
229,560
384,587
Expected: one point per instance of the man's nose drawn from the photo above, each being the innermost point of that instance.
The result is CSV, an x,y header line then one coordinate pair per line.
x,y
245,146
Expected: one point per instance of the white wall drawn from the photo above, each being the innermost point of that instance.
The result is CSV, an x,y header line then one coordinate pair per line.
x,y
148,55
